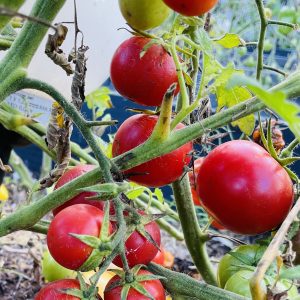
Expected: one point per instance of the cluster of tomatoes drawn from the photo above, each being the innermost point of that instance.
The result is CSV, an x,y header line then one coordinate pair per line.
x,y
240,185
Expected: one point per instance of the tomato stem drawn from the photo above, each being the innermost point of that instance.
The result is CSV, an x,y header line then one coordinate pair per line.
x,y
195,239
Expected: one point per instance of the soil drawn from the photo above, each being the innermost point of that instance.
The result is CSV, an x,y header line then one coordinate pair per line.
x,y
20,255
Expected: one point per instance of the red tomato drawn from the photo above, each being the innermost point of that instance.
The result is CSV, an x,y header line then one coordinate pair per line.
x,y
138,250
81,198
159,257
243,188
159,171
69,251
53,290
145,79
154,288
191,7
192,176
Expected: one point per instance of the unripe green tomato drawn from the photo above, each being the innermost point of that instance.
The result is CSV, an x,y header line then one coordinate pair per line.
x,y
144,14
242,51
288,15
239,283
229,265
52,270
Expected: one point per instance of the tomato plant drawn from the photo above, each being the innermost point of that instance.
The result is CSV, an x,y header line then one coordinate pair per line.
x,y
159,171
141,74
53,290
138,248
67,250
51,270
237,183
153,287
81,198
144,14
191,7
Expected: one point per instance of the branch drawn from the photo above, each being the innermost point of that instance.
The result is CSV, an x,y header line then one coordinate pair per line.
x,y
195,239
178,283
270,254
263,29
275,70
274,22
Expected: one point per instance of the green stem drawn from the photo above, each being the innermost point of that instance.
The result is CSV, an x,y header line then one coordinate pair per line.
x,y
263,29
275,70
183,90
26,216
18,165
178,283
101,123
275,22
194,238
39,228
287,152
163,224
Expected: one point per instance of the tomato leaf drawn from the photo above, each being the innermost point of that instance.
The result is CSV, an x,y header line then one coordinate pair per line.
x,y
275,100
291,273
133,194
230,40
191,21
159,195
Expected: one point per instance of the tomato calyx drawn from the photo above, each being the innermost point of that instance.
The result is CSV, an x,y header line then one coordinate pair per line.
x,y
267,142
102,245
106,191
132,280
86,292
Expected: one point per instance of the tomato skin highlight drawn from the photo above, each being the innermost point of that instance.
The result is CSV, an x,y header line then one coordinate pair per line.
x,y
191,7
159,171
52,290
67,250
81,198
138,250
154,287
145,79
237,183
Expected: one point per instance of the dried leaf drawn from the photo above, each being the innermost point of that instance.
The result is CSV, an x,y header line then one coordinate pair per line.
x,y
53,51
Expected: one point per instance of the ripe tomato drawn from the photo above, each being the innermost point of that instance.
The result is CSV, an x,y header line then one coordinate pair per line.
x,y
191,7
81,198
53,290
243,188
156,172
230,264
139,250
144,14
52,270
159,257
67,250
192,176
142,79
154,288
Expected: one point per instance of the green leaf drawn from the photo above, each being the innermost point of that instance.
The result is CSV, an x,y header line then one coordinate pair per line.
x,y
202,38
218,76
100,100
188,79
230,40
133,194
275,100
191,21
159,195
291,273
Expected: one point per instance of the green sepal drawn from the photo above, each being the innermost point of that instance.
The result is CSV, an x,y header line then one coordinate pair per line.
x,y
141,229
72,292
87,239
104,233
138,287
125,291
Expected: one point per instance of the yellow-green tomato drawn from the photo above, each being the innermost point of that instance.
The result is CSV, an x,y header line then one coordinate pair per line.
x,y
144,14
249,255
239,283
52,270
288,15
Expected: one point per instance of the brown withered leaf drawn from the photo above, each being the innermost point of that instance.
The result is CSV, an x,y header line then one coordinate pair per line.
x,y
53,51
5,168
78,83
